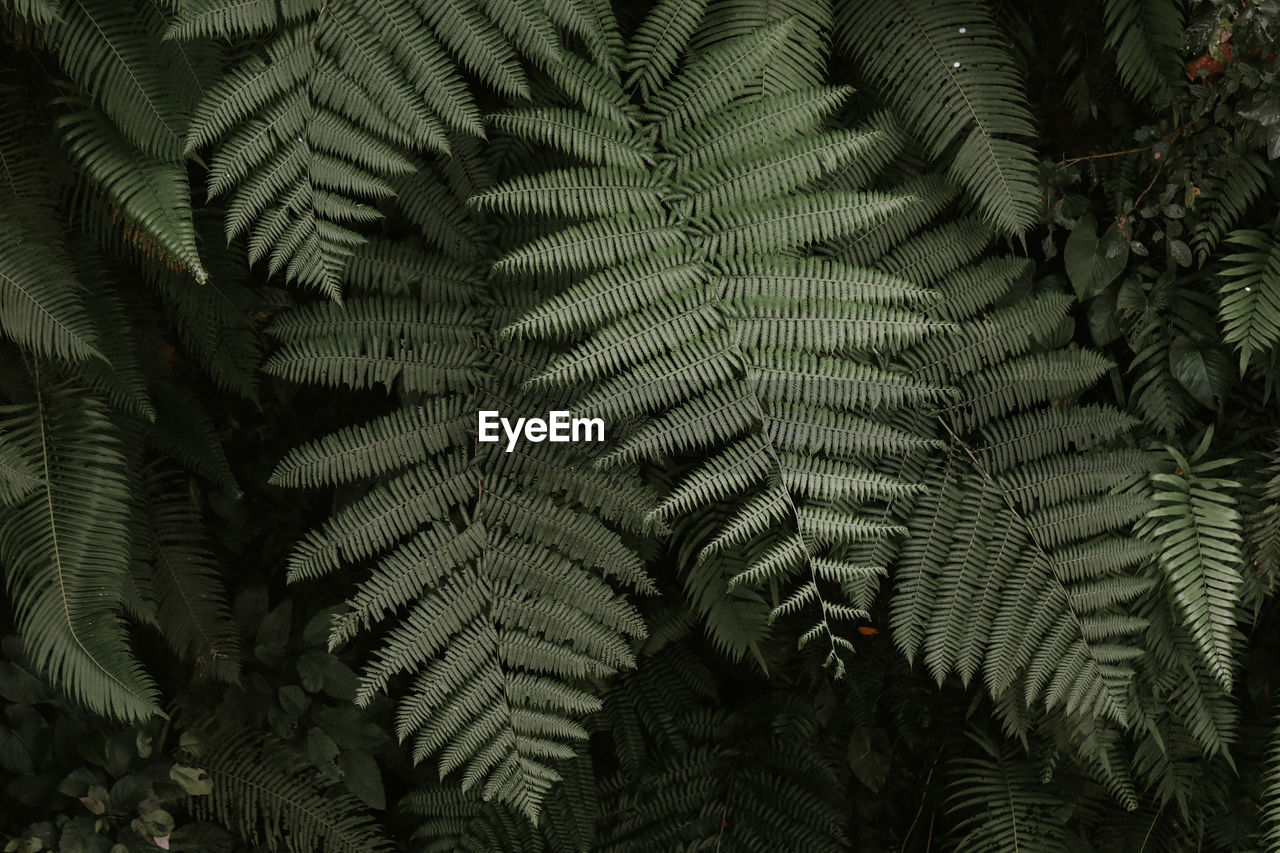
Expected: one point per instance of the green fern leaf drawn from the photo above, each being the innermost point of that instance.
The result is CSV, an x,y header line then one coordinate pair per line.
x,y
1250,307
1198,530
272,796
945,68
65,555
152,195
1145,36
40,306
191,608
105,49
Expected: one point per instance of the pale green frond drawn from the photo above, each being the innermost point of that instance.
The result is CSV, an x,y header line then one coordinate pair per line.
x,y
656,47
803,428
1250,306
590,138
610,294
395,441
1198,529
752,518
1226,198
798,221
836,480
789,375
756,122
527,26
703,422
714,79
731,471
481,49
1025,381
818,279
222,19
922,199
595,87
927,257
1053,480
575,193
1009,442
633,339
803,55
420,496
593,245
773,171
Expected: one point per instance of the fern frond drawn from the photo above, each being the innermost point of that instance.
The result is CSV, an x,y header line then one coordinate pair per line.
x,y
106,50
65,554
219,19
715,78
658,44
945,68
1005,803
497,573
402,438
802,56
1145,35
273,797
152,195
589,138
1198,529
311,132
191,607
40,305
1224,201
1250,306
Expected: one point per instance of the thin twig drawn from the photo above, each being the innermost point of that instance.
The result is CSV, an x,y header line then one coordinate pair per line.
x,y
923,796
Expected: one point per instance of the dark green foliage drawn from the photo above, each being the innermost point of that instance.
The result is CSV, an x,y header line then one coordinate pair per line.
x,y
934,345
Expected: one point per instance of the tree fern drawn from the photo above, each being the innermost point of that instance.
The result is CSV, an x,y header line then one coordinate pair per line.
x,y
1004,568
312,130
686,313
506,561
